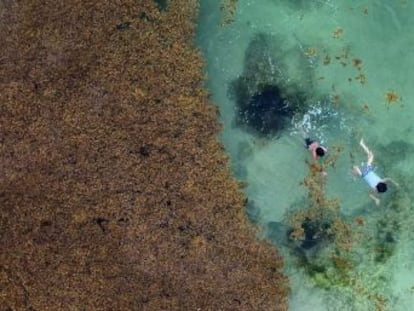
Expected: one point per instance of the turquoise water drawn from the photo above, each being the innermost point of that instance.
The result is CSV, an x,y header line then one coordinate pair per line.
x,y
344,57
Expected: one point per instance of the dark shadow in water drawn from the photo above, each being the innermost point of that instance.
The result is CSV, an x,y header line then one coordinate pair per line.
x,y
252,211
316,237
267,111
396,151
266,96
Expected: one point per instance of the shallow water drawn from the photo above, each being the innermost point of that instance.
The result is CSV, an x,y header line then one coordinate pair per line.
x,y
345,57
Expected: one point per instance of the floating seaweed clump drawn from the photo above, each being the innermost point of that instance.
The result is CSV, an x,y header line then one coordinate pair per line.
x,y
89,168
228,10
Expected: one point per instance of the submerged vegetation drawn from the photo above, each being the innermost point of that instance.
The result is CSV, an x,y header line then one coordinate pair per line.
x,y
343,253
115,194
228,10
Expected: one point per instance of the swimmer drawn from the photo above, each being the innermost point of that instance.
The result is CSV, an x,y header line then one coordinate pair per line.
x,y
366,172
317,150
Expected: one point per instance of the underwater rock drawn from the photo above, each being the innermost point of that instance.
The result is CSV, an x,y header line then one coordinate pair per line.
x,y
315,232
271,90
315,238
267,111
312,234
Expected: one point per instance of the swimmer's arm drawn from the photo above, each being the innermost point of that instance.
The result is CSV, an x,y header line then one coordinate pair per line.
x,y
375,199
391,180
356,171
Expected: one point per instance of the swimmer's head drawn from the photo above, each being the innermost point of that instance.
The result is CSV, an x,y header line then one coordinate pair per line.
x,y
381,187
320,152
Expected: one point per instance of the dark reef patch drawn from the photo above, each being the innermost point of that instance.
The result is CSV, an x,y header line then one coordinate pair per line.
x,y
273,88
267,111
316,236
315,232
116,193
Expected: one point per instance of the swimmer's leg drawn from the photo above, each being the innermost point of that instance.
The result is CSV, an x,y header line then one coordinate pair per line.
x,y
367,151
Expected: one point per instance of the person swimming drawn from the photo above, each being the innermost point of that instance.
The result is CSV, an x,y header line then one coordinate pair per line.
x,y
367,173
317,150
